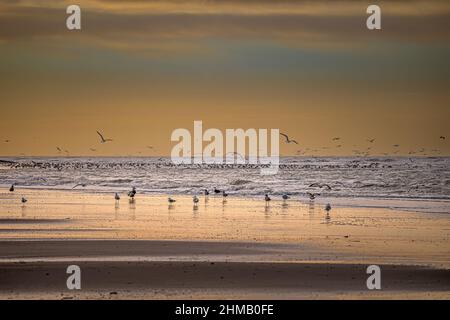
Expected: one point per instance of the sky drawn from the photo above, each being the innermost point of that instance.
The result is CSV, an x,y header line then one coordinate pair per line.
x,y
137,70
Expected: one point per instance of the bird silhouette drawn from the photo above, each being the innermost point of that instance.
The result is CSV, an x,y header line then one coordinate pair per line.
x,y
103,140
171,200
442,137
287,138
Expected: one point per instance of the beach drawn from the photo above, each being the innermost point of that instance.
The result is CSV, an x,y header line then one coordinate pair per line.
x,y
239,248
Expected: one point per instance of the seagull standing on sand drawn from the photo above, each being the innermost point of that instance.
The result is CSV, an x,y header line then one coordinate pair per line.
x,y
267,198
328,207
224,194
103,140
206,192
287,138
216,191
12,188
117,197
24,200
285,197
312,196
132,193
171,200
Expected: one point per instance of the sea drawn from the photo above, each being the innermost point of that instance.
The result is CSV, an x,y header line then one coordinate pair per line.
x,y
410,183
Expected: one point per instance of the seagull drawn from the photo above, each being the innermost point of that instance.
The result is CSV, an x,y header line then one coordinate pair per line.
x,y
267,198
92,149
117,197
12,188
285,197
321,185
336,139
206,192
59,149
195,199
103,140
396,145
171,200
224,194
217,190
132,193
24,200
287,138
328,207
150,147
80,185
371,140
312,196
442,137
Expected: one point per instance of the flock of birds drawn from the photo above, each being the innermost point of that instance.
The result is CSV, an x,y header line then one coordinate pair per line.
x,y
195,199
288,140
132,193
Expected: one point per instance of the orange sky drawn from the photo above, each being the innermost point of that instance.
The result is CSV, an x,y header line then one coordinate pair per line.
x,y
138,70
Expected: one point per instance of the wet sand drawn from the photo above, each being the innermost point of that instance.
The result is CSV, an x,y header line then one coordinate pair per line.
x,y
237,249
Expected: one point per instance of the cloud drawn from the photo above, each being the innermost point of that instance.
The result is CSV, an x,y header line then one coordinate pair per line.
x,y
147,25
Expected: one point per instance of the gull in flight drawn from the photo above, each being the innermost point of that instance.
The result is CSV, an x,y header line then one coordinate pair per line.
x,y
336,139
371,140
320,185
442,137
80,185
287,138
59,149
103,140
92,149
195,200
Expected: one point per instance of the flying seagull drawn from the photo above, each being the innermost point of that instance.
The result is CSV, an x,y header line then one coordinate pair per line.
x,y
287,138
442,137
371,140
92,149
336,139
320,185
150,147
80,185
103,140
